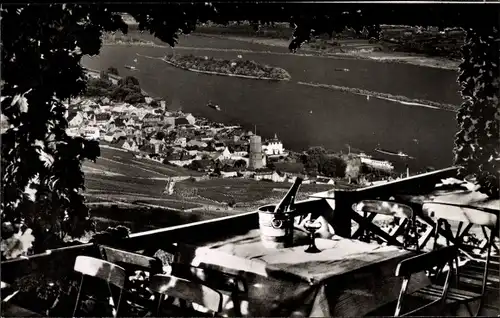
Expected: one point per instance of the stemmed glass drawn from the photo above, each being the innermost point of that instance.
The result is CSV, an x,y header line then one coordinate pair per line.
x,y
312,227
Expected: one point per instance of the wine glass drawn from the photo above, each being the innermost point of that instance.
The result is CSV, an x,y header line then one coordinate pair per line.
x,y
312,227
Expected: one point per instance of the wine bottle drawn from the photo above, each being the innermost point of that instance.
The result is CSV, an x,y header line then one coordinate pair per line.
x,y
288,200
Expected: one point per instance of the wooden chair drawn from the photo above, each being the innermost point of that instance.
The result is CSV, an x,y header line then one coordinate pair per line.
x,y
441,295
444,212
183,289
370,208
103,270
132,262
230,285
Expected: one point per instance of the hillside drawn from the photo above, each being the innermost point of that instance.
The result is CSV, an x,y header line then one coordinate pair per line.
x,y
118,177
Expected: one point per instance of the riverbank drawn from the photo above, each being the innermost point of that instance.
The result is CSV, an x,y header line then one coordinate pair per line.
x,y
237,68
354,50
348,49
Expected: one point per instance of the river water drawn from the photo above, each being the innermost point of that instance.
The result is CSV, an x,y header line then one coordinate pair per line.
x,y
304,116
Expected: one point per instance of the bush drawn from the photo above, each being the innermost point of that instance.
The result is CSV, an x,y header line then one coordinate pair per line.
x,y
134,98
98,87
113,70
127,90
129,81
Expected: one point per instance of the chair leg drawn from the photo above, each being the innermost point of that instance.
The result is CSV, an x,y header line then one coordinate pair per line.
x,y
486,268
436,234
78,297
236,304
365,233
112,301
457,242
117,312
158,304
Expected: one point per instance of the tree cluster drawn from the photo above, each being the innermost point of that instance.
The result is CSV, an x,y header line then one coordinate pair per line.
x,y
316,160
353,168
126,90
424,41
113,70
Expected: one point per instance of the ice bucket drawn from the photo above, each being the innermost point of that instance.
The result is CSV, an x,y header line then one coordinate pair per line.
x,y
276,230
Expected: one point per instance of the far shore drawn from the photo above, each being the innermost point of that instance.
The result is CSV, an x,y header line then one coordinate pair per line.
x,y
395,57
384,57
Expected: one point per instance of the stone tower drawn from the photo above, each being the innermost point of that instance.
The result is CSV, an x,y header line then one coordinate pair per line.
x,y
255,154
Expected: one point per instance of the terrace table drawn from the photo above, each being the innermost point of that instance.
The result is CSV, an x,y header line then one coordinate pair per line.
x,y
347,278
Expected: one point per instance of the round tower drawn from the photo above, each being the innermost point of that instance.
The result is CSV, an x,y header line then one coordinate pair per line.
x,y
255,144
255,161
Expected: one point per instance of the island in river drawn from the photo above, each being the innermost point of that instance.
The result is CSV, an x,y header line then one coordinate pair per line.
x,y
238,68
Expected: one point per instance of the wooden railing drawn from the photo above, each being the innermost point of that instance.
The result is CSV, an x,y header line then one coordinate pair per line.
x,y
342,200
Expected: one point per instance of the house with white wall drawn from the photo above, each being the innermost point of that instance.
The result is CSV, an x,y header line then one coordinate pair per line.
x,y
91,133
324,180
128,144
181,142
224,155
75,119
269,175
191,119
102,118
229,174
273,147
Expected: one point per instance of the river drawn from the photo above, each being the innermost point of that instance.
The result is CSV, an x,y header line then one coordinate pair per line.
x,y
304,116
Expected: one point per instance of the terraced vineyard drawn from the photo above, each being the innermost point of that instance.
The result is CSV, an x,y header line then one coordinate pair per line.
x,y
123,189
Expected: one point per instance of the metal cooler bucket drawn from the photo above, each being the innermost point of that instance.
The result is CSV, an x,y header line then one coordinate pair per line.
x,y
275,232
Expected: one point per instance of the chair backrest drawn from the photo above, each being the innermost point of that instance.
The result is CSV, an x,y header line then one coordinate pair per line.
x,y
457,213
426,261
186,290
101,269
129,259
384,207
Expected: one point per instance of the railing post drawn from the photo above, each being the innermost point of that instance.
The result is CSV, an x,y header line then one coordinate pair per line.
x,y
342,215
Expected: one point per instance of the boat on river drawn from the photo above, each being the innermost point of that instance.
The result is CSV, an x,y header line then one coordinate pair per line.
x,y
391,153
130,67
214,106
376,163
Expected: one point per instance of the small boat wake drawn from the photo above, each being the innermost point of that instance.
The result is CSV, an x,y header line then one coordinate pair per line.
x,y
391,153
130,67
